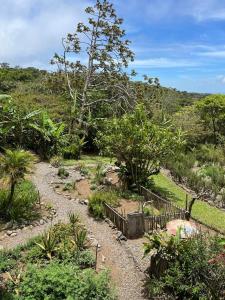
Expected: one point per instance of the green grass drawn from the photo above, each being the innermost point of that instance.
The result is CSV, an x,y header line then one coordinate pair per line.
x,y
89,159
201,210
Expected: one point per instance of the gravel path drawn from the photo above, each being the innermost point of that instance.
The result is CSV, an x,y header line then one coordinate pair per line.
x,y
124,259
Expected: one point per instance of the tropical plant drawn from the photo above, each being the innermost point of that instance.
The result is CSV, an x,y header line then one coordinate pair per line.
x,y
195,272
163,248
74,220
50,137
49,244
80,238
15,164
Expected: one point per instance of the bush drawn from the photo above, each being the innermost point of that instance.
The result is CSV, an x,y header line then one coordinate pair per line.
x,y
190,274
151,211
64,281
97,199
24,201
72,151
56,161
208,153
62,173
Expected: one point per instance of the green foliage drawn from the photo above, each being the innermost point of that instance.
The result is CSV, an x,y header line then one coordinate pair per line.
x,y
15,164
212,111
73,150
151,211
24,203
80,238
209,154
62,172
49,136
56,161
8,260
97,199
60,281
66,276
33,130
190,274
138,144
191,124
99,175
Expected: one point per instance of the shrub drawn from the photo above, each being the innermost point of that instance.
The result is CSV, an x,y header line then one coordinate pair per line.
x,y
99,174
208,153
64,281
72,151
97,199
151,211
189,273
62,173
56,161
24,202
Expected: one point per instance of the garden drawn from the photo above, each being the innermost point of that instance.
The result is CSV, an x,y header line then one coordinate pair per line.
x,y
87,156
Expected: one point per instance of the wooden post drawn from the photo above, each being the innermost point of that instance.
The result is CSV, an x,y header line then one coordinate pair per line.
x,y
96,256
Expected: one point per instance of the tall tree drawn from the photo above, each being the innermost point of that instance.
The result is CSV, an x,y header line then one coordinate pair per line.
x,y
107,52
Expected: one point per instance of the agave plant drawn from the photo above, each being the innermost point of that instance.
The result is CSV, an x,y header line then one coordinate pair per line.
x,y
80,239
49,243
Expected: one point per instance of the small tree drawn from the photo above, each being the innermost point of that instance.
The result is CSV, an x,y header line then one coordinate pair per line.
x,y
212,111
15,164
139,145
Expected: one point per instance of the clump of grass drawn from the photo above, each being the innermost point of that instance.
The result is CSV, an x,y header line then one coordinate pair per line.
x,y
97,200
63,173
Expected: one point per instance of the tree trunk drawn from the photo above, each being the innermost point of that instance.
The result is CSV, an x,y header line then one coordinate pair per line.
x,y
214,132
11,194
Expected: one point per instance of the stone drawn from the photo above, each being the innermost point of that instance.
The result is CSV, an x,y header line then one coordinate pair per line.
x,y
120,236
9,232
2,237
86,201
13,234
94,243
41,222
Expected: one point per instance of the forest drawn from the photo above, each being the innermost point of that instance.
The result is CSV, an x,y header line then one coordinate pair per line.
x,y
89,135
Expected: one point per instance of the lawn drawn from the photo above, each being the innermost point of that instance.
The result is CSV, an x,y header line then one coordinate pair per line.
x,y
201,210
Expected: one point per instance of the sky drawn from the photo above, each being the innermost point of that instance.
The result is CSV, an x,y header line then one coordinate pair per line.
x,y
182,42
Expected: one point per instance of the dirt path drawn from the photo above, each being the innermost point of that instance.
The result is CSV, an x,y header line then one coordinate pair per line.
x,y
124,260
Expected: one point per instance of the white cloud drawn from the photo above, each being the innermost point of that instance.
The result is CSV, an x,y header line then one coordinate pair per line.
x,y
163,62
31,30
216,54
221,79
155,10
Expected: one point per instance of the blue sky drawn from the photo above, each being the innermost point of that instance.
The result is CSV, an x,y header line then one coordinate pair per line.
x,y
182,42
